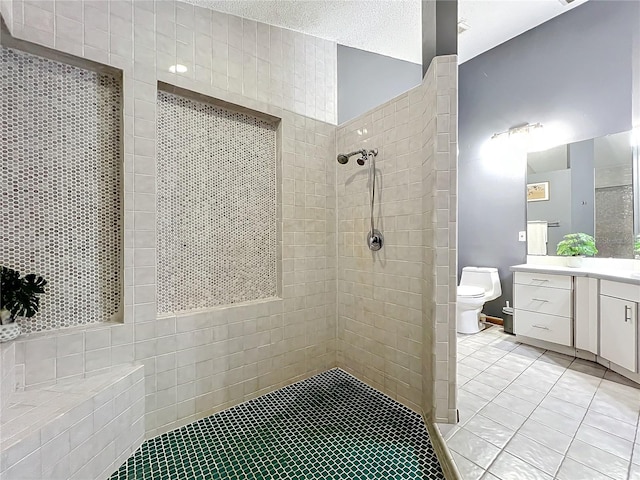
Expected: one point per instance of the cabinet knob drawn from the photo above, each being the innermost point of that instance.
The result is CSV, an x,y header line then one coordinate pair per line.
x,y
627,313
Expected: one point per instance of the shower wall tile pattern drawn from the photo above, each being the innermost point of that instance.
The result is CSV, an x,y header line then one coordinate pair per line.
x,y
379,294
216,206
396,307
440,237
60,185
198,363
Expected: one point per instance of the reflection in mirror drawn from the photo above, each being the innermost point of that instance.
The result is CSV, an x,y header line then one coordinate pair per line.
x,y
548,215
614,195
583,187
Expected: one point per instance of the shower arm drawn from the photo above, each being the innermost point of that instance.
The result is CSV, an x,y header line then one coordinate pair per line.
x,y
362,152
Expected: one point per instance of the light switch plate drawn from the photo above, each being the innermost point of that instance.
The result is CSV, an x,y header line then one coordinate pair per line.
x,y
522,236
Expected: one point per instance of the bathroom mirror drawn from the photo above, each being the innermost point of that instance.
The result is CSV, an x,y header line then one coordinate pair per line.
x,y
589,186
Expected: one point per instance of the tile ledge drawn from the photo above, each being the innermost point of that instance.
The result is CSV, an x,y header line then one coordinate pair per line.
x,y
218,308
68,330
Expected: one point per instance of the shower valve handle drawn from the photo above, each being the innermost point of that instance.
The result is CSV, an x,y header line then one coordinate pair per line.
x,y
375,240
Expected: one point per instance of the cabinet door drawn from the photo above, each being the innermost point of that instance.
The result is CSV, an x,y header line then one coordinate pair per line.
x,y
618,331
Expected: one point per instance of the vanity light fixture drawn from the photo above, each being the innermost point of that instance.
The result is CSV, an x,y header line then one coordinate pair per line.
x,y
178,68
528,138
520,130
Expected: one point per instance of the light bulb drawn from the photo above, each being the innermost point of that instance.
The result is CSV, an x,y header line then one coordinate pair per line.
x,y
178,68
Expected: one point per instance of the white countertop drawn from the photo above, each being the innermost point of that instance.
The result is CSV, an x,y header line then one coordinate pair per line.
x,y
614,275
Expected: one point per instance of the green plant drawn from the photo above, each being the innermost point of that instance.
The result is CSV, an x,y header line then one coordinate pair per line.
x,y
19,295
574,244
636,245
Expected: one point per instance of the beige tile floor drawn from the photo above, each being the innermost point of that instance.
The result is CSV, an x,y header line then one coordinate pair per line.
x,y
528,413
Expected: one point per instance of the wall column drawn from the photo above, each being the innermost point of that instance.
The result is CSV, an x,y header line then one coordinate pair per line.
x,y
439,30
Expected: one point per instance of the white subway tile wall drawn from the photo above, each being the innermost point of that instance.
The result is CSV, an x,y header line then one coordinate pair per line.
x,y
7,372
393,303
201,362
379,294
440,207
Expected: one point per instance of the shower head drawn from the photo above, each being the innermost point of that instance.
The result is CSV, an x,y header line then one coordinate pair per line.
x,y
344,158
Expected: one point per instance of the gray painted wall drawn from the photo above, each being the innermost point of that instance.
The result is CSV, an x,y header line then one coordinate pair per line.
x,y
575,69
581,161
366,80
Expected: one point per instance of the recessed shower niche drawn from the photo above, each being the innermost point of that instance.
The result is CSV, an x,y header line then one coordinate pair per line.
x,y
61,185
216,205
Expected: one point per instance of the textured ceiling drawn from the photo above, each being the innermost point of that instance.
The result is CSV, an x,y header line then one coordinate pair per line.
x,y
389,27
393,27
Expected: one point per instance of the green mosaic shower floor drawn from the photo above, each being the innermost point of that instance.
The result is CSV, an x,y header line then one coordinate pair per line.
x,y
327,427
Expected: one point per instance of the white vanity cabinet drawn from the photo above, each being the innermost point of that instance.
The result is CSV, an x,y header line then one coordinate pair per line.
x,y
544,307
619,323
592,314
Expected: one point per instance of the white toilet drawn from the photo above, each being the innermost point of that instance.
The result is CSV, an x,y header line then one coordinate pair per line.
x,y
477,286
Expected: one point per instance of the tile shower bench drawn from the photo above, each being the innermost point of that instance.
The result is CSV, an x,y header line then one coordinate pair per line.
x,y
75,429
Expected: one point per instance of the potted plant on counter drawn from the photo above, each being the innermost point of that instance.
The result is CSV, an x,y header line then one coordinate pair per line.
x,y
18,298
576,246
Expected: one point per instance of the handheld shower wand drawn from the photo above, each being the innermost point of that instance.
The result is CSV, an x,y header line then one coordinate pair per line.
x,y
375,239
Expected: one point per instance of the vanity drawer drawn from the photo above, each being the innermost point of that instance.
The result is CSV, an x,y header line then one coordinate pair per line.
x,y
552,301
543,327
542,280
626,291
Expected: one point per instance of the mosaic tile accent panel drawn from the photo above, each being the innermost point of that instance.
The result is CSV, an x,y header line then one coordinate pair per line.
x,y
216,206
614,221
330,426
61,185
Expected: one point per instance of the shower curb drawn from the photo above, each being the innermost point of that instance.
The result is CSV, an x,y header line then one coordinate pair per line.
x,y
448,465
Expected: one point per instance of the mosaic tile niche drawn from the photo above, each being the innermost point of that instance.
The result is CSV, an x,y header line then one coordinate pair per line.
x,y
216,205
60,186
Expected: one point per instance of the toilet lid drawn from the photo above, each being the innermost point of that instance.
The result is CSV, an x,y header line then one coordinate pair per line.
x,y
470,292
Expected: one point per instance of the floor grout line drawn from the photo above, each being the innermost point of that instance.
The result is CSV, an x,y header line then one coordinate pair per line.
x,y
633,449
597,388
575,434
527,418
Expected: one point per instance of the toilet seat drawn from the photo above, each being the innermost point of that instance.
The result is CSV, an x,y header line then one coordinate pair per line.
x,y
470,292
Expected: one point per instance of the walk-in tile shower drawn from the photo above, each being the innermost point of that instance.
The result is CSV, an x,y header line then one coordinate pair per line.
x,y
235,252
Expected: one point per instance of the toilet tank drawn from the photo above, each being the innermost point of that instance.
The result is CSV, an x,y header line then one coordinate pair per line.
x,y
485,277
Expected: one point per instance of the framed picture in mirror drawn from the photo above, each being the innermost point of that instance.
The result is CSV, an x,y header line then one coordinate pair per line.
x,y
537,192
